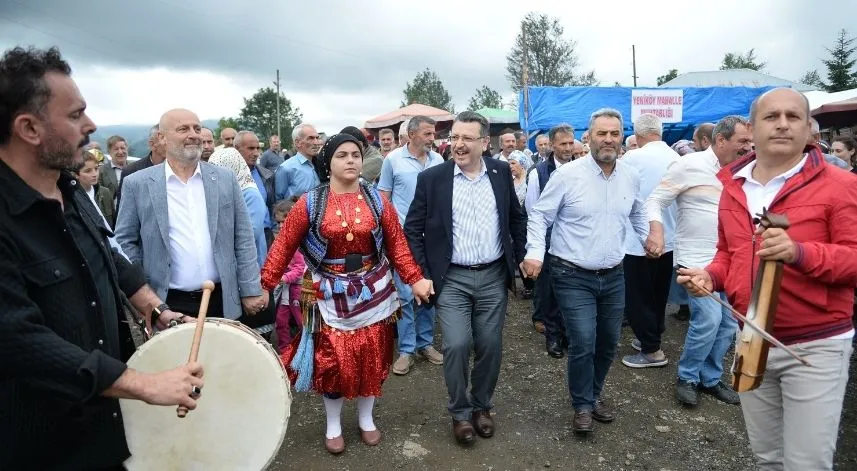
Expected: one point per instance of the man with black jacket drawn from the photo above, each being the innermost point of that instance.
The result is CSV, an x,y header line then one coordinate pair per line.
x,y
466,208
63,341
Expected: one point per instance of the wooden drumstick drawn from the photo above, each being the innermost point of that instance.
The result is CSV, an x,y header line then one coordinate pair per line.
x,y
207,289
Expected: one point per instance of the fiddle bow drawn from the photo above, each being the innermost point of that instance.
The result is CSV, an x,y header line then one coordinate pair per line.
x,y
751,350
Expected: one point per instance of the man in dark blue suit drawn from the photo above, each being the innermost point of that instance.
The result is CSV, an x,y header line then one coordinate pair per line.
x,y
467,210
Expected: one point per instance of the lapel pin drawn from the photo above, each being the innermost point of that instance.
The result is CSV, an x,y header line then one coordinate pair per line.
x,y
494,170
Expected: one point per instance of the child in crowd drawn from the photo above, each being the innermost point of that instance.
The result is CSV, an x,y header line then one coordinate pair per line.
x,y
289,303
87,175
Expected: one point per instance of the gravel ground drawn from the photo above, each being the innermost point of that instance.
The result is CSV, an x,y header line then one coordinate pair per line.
x,y
533,415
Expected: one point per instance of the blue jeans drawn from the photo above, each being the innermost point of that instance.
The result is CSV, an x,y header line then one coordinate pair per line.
x,y
416,327
678,295
592,307
711,331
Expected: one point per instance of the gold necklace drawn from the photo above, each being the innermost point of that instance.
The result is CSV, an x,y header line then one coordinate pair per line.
x,y
339,212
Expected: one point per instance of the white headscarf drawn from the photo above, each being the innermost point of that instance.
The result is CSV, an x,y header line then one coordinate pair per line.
x,y
230,158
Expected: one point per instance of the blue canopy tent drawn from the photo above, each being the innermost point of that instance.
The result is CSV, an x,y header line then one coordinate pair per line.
x,y
545,107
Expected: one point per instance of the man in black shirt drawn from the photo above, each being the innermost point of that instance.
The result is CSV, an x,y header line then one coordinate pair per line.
x,y
63,341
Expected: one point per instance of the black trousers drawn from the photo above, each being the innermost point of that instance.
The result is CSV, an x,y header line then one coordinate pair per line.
x,y
647,288
187,302
545,306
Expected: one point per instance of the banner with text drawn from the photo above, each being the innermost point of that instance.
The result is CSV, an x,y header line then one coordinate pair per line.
x,y
665,104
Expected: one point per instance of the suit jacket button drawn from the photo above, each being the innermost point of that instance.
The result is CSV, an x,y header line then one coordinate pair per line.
x,y
57,273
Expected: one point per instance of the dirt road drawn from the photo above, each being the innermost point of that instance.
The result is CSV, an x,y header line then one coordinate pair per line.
x,y
533,415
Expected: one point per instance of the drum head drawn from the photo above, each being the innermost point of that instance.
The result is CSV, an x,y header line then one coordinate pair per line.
x,y
240,420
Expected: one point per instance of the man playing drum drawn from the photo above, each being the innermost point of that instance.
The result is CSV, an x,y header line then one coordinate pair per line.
x,y
63,335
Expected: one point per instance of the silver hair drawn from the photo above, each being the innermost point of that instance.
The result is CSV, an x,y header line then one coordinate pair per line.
x,y
628,139
299,129
542,136
153,131
561,128
416,121
815,127
240,137
726,126
403,128
648,124
607,113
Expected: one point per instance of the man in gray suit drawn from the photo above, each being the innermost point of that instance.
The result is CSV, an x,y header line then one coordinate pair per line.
x,y
186,222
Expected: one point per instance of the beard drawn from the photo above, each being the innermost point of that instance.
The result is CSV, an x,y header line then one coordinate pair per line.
x,y
604,157
57,154
185,154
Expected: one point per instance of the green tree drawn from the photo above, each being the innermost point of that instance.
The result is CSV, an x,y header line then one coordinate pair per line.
x,y
738,61
671,74
812,78
224,123
485,97
427,89
840,64
551,59
260,116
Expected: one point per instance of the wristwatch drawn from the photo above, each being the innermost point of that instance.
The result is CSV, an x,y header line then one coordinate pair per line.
x,y
156,312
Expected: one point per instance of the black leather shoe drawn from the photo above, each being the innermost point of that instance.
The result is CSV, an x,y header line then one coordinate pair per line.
x,y
721,392
685,392
554,349
527,294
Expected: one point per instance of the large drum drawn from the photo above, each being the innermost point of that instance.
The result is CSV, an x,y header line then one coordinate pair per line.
x,y
241,418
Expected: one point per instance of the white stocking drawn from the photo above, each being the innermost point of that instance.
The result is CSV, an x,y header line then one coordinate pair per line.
x,y
333,408
365,404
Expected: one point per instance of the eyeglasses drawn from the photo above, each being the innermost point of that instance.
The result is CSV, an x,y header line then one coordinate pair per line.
x,y
465,139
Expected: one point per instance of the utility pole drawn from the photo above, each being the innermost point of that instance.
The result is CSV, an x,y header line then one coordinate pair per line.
x,y
277,84
634,62
525,79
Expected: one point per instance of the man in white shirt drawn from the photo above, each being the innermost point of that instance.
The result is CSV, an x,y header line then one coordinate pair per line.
x,y
546,317
631,142
507,146
589,202
186,222
692,184
647,280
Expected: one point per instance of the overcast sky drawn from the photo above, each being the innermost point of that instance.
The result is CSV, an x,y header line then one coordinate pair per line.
x,y
343,62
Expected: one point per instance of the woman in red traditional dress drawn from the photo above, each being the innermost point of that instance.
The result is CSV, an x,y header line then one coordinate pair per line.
x,y
349,235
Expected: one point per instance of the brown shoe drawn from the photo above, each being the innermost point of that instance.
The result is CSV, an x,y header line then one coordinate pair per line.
x,y
539,326
602,413
582,422
371,437
335,446
483,423
463,431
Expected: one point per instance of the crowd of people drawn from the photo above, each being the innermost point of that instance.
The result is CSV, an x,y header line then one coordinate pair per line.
x,y
355,247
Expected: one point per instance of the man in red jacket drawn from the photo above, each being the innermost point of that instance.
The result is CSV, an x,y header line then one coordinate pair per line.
x,y
793,417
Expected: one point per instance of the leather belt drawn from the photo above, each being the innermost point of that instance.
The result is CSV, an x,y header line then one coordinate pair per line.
x,y
192,295
566,263
478,266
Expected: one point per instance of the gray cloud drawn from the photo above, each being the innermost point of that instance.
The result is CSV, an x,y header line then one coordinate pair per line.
x,y
316,45
372,48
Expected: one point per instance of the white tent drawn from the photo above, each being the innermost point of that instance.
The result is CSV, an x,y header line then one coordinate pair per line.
x,y
819,98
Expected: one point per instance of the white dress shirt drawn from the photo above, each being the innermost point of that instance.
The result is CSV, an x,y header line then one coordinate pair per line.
x,y
589,212
475,219
761,196
691,182
191,251
651,161
533,190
